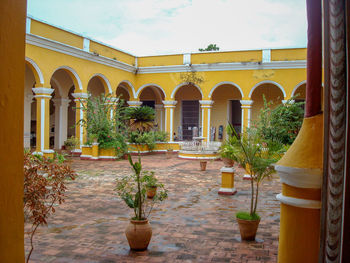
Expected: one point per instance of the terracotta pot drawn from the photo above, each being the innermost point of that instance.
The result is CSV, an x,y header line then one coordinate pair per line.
x,y
203,165
151,192
125,157
169,154
227,162
248,228
138,233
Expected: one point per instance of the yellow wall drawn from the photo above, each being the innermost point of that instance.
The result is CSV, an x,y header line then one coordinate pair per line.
x,y
57,34
164,60
288,54
112,53
12,70
224,57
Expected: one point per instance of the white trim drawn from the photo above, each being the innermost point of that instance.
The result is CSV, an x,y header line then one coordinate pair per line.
x,y
169,103
46,91
86,45
76,151
28,24
300,177
105,79
228,190
187,59
76,52
204,103
38,71
107,157
43,96
74,73
48,151
198,157
266,55
298,202
130,85
202,117
80,95
133,103
208,128
298,86
42,124
223,83
227,170
246,102
249,116
149,85
224,67
85,156
267,82
184,84
242,121
136,62
171,136
81,127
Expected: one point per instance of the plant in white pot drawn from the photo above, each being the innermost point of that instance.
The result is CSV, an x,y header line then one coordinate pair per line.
x,y
132,189
250,150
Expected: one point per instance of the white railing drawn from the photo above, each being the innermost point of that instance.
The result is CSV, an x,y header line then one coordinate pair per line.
x,y
200,146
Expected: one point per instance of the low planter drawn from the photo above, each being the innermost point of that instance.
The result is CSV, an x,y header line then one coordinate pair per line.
x,y
138,234
248,228
203,165
151,192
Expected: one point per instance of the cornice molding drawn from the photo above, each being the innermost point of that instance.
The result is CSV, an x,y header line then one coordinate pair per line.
x,y
76,52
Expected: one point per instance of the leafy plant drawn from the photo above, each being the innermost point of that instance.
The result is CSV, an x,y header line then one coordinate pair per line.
x,y
257,156
140,118
132,189
71,143
44,188
226,150
210,47
150,179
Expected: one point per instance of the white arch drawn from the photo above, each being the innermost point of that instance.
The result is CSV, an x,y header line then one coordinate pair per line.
x,y
297,86
57,84
74,74
223,83
106,81
150,85
268,82
131,86
38,71
184,84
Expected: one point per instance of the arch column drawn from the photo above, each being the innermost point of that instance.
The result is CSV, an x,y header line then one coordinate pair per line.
x,y
80,131
206,106
246,106
43,96
159,115
28,99
169,106
113,100
61,121
134,103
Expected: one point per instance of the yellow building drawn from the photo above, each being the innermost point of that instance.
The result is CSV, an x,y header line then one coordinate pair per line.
x,y
62,66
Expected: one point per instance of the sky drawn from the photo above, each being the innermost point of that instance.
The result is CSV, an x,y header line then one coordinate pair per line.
x,y
153,27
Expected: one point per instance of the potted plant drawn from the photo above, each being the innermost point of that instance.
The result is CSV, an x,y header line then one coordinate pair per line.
x,y
226,152
132,189
169,153
251,151
151,184
203,164
71,143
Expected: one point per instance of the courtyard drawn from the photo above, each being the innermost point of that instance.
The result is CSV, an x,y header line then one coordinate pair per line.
x,y
194,224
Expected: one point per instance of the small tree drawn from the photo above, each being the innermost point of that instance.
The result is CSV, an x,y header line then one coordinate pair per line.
x,y
44,188
210,47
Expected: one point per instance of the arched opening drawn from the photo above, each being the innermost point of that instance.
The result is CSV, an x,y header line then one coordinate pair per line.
x,y
187,113
62,108
123,93
29,109
226,109
97,86
153,96
271,92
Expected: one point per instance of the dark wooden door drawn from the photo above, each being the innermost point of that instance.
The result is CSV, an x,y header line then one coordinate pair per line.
x,y
190,118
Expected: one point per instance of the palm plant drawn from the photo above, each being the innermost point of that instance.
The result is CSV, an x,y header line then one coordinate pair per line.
x,y
141,118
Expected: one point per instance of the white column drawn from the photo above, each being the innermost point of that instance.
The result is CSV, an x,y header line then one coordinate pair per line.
x,y
79,98
169,106
61,121
206,106
28,99
159,115
112,102
246,106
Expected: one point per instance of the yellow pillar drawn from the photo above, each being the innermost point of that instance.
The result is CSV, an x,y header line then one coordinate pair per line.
x,y
169,106
12,44
246,106
112,102
300,171
80,131
206,106
94,151
43,96
227,181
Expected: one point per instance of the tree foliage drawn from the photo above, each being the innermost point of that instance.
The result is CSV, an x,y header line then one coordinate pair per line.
x,y
210,47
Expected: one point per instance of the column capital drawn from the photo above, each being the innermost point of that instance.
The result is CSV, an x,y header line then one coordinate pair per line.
x,y
169,103
134,103
29,98
290,101
112,100
80,96
246,102
61,102
43,92
158,106
206,103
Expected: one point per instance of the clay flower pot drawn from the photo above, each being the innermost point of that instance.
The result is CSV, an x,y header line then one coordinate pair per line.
x,y
138,233
203,165
151,192
248,228
227,162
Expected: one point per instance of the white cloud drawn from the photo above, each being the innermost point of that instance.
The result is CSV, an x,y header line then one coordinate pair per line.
x,y
146,27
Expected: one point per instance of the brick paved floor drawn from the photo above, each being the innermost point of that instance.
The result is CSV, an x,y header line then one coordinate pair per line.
x,y
194,224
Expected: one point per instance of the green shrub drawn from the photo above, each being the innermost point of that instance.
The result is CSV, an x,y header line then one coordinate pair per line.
x,y
247,216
